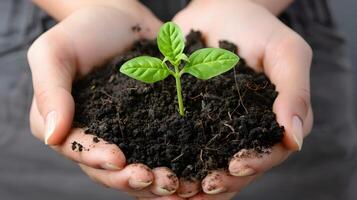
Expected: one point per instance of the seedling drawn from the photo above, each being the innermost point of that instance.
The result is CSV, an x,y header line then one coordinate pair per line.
x,y
203,64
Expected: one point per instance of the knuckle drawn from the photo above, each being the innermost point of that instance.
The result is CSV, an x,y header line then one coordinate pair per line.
x,y
307,48
43,98
55,47
297,41
292,40
48,97
304,47
33,52
304,99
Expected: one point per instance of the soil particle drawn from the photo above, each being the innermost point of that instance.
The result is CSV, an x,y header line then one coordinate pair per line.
x,y
224,115
96,140
173,178
212,182
77,146
136,28
144,167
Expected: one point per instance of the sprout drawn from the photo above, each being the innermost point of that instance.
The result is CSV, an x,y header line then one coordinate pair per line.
x,y
203,64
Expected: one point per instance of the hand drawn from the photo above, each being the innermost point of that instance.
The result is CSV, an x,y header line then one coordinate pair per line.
x,y
270,47
87,38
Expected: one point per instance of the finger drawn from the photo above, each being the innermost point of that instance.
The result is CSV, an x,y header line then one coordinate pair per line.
x,y
203,196
245,167
188,188
132,178
96,153
246,163
219,182
166,182
81,147
52,72
290,72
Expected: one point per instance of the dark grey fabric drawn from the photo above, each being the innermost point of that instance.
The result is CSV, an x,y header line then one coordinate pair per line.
x,y
165,10
324,170
345,12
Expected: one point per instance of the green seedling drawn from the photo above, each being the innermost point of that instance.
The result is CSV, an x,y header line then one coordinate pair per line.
x,y
203,64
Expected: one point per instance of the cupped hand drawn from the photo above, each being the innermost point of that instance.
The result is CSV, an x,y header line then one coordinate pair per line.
x,y
270,47
87,38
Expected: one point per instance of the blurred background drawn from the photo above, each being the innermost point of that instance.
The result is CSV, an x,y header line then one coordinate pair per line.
x,y
346,15
24,161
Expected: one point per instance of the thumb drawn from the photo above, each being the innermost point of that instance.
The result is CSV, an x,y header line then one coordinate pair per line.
x,y
295,114
287,63
52,67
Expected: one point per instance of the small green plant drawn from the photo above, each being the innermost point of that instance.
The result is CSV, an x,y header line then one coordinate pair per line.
x,y
203,64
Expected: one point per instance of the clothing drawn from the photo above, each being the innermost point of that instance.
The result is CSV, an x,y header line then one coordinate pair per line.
x,y
322,171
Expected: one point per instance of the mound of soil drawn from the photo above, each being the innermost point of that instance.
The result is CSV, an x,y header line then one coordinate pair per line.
x,y
223,115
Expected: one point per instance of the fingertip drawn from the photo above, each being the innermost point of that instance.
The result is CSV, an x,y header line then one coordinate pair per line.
x,y
241,170
98,154
242,163
140,176
112,158
213,183
292,113
166,182
296,134
221,182
58,113
248,163
50,126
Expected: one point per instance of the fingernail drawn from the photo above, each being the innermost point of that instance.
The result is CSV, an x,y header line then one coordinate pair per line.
x,y
110,166
139,184
215,191
297,131
243,171
51,120
164,191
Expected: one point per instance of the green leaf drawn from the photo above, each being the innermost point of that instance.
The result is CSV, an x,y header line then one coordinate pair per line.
x,y
145,68
210,62
171,42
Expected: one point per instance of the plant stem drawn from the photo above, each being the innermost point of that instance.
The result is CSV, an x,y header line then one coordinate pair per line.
x,y
179,91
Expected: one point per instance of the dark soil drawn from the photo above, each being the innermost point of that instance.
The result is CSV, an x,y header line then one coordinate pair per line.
x,y
223,115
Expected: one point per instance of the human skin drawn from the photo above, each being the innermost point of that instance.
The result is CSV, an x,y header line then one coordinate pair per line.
x,y
82,40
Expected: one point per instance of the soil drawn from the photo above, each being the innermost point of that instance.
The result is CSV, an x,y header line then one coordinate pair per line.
x,y
224,115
